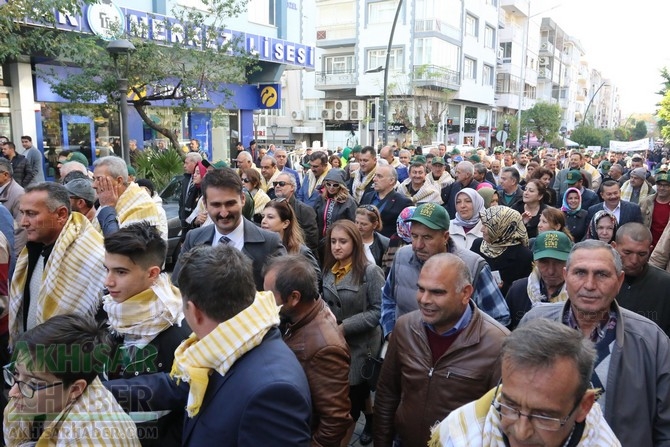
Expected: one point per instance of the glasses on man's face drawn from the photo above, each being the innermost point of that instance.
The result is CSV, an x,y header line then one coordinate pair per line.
x,y
331,185
539,422
245,180
26,389
282,184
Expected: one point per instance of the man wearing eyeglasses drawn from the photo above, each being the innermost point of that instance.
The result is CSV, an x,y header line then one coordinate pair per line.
x,y
285,187
544,396
283,165
633,363
269,173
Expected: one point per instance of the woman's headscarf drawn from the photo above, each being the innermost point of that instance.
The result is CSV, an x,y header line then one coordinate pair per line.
x,y
202,170
565,207
593,225
505,228
477,207
404,228
487,195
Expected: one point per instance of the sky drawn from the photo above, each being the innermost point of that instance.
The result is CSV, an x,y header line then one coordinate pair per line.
x,y
625,41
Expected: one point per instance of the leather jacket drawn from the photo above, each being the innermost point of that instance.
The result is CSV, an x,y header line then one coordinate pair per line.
x,y
324,355
413,394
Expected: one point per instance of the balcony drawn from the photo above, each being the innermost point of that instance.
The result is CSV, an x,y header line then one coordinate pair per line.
x,y
515,6
335,80
334,36
435,78
544,73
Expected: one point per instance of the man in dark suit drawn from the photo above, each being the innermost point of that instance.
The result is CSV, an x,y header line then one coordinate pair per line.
x,y
224,199
389,202
283,165
249,388
285,187
624,211
189,193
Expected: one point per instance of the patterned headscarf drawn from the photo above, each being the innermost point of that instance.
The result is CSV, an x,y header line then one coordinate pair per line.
x,y
593,225
477,207
505,228
565,207
404,228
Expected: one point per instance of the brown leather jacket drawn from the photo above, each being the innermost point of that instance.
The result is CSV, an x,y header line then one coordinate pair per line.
x,y
324,355
413,394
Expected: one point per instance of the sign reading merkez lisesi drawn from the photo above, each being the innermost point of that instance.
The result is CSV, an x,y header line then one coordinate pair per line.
x,y
104,18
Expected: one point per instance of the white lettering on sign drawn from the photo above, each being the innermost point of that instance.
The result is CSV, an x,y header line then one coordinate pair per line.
x,y
470,120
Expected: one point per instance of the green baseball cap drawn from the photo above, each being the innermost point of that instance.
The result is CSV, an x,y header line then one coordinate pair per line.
x,y
573,177
438,160
418,159
475,158
131,171
78,156
432,215
663,177
552,244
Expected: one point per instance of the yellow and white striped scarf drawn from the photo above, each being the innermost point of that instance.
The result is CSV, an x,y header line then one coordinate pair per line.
x,y
220,349
313,182
142,317
269,184
477,424
427,193
72,280
358,186
136,205
95,419
627,191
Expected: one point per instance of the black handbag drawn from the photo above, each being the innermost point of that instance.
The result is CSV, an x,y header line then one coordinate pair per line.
x,y
373,366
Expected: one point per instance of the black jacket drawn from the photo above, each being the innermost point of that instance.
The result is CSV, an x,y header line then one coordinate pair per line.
x,y
389,207
379,246
449,193
306,217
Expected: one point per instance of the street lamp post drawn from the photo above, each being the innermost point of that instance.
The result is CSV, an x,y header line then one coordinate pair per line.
x,y
118,48
385,69
591,101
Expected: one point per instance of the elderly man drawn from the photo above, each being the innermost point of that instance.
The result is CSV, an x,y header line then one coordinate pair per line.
x,y
416,187
60,271
310,329
224,199
240,383
510,192
404,157
644,284
10,196
310,190
244,161
632,350
495,171
122,203
623,211
430,236
285,187
282,165
269,173
448,336
389,202
464,179
438,174
636,189
546,369
386,153
545,283
362,180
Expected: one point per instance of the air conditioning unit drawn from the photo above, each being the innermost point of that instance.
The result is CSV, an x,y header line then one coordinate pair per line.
x,y
544,46
341,110
297,115
327,114
543,60
356,110
501,53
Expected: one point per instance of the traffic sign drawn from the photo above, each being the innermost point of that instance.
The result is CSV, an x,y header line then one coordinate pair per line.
x,y
501,136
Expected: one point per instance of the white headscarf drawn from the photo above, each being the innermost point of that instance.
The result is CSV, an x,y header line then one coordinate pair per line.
x,y
477,207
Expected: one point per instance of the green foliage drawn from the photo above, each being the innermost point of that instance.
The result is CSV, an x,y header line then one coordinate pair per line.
x,y
547,120
590,136
640,130
664,114
158,166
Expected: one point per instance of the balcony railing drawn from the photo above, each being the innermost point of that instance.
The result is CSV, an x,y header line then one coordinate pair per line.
x,y
327,80
433,76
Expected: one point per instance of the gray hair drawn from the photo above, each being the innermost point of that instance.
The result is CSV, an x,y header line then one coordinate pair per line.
x,y
541,342
289,176
271,158
404,152
480,168
72,166
466,166
593,244
193,156
448,261
6,166
391,170
634,230
57,195
116,167
244,154
513,171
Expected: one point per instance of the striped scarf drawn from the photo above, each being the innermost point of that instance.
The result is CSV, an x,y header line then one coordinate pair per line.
x,y
535,291
72,280
220,349
427,193
477,424
359,184
94,419
313,182
142,317
135,205
627,191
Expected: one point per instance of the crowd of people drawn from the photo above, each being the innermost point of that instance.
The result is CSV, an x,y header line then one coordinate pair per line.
x,y
483,298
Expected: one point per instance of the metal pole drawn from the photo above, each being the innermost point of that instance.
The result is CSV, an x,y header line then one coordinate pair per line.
x,y
385,105
122,84
522,87
591,102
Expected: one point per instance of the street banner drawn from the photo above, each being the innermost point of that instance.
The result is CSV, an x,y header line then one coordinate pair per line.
x,y
629,146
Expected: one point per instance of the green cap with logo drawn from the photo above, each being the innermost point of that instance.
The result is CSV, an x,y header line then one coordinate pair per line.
x,y
663,177
418,159
432,215
552,244
78,156
438,160
573,177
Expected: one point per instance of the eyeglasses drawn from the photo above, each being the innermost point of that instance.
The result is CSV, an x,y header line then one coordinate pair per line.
x,y
370,208
331,185
26,389
245,180
282,183
538,422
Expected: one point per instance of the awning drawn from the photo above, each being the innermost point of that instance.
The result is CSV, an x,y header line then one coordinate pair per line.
x,y
569,143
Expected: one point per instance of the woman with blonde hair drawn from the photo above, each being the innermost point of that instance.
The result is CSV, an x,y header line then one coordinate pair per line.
x,y
369,223
251,180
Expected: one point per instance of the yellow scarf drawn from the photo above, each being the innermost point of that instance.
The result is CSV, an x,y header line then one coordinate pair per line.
x,y
359,185
73,276
340,271
146,314
95,419
313,182
220,349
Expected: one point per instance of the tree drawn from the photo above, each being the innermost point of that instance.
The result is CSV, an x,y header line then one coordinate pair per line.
x,y
663,119
546,120
640,130
190,71
664,114
588,135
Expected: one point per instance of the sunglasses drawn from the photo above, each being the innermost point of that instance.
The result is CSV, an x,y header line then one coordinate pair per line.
x,y
331,185
282,183
370,208
245,180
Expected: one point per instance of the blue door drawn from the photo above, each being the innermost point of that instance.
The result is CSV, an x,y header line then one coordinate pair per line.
x,y
199,127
